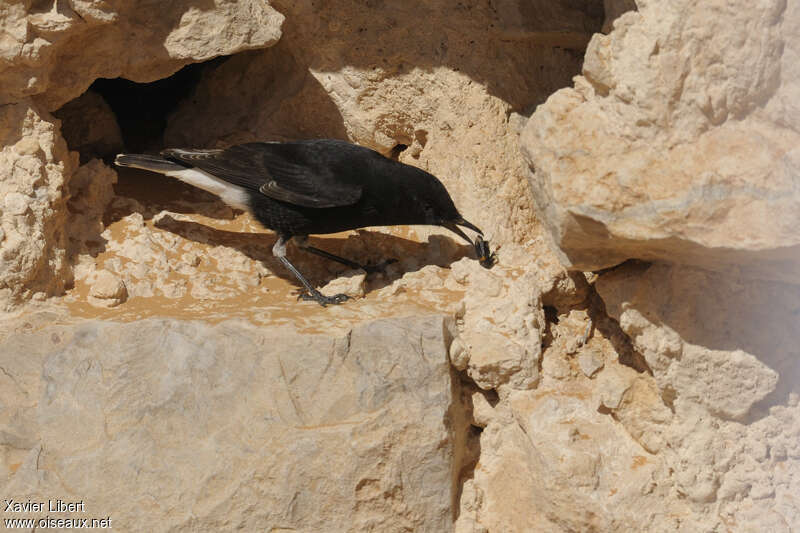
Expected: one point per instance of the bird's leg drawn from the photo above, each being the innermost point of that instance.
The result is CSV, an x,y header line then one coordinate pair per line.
x,y
302,243
279,251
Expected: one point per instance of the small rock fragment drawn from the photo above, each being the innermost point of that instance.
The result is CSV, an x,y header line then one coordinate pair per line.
x,y
350,283
612,385
459,356
482,411
27,146
107,290
16,203
589,363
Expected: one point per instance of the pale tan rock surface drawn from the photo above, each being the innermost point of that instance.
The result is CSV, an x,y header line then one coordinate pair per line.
x,y
501,326
724,357
642,399
35,166
350,283
717,342
50,52
46,44
229,426
678,142
616,453
107,289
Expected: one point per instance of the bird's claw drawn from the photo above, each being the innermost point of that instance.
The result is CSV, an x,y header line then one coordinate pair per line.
x,y
323,300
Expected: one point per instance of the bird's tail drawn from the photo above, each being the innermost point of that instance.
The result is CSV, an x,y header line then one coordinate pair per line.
x,y
154,163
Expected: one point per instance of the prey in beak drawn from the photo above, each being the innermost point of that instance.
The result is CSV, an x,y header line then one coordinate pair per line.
x,y
486,258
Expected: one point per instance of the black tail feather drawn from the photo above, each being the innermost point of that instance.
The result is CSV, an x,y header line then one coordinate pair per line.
x,y
153,163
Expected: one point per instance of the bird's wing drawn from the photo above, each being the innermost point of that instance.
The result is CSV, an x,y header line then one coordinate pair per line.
x,y
287,172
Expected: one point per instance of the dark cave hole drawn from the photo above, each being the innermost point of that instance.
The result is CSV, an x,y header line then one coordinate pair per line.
x,y
138,116
119,115
142,109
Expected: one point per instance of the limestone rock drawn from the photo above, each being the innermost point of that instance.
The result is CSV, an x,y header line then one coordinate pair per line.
x,y
350,283
107,290
724,360
554,449
645,414
50,53
555,457
612,385
678,142
589,363
501,330
214,427
482,411
35,165
46,45
153,260
91,190
688,441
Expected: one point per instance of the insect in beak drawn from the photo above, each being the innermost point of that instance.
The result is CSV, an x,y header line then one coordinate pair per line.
x,y
486,257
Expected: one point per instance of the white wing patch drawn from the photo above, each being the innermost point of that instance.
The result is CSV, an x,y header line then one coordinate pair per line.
x,y
232,195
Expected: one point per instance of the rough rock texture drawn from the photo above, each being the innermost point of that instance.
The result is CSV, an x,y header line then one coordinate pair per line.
x,y
662,150
620,450
35,166
50,52
107,289
644,398
44,45
679,142
230,426
501,324
725,361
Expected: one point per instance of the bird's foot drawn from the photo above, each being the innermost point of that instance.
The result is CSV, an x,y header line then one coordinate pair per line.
x,y
321,299
380,267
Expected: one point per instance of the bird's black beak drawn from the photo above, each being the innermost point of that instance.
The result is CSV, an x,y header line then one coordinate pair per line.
x,y
453,226
470,225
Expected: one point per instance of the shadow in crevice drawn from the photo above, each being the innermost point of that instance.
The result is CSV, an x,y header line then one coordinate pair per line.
x,y
256,96
611,330
143,109
466,435
600,321
295,88
718,312
550,319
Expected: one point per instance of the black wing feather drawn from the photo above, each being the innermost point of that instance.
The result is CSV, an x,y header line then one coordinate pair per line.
x,y
297,173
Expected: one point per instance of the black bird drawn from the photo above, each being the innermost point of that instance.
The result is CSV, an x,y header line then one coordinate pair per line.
x,y
314,186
